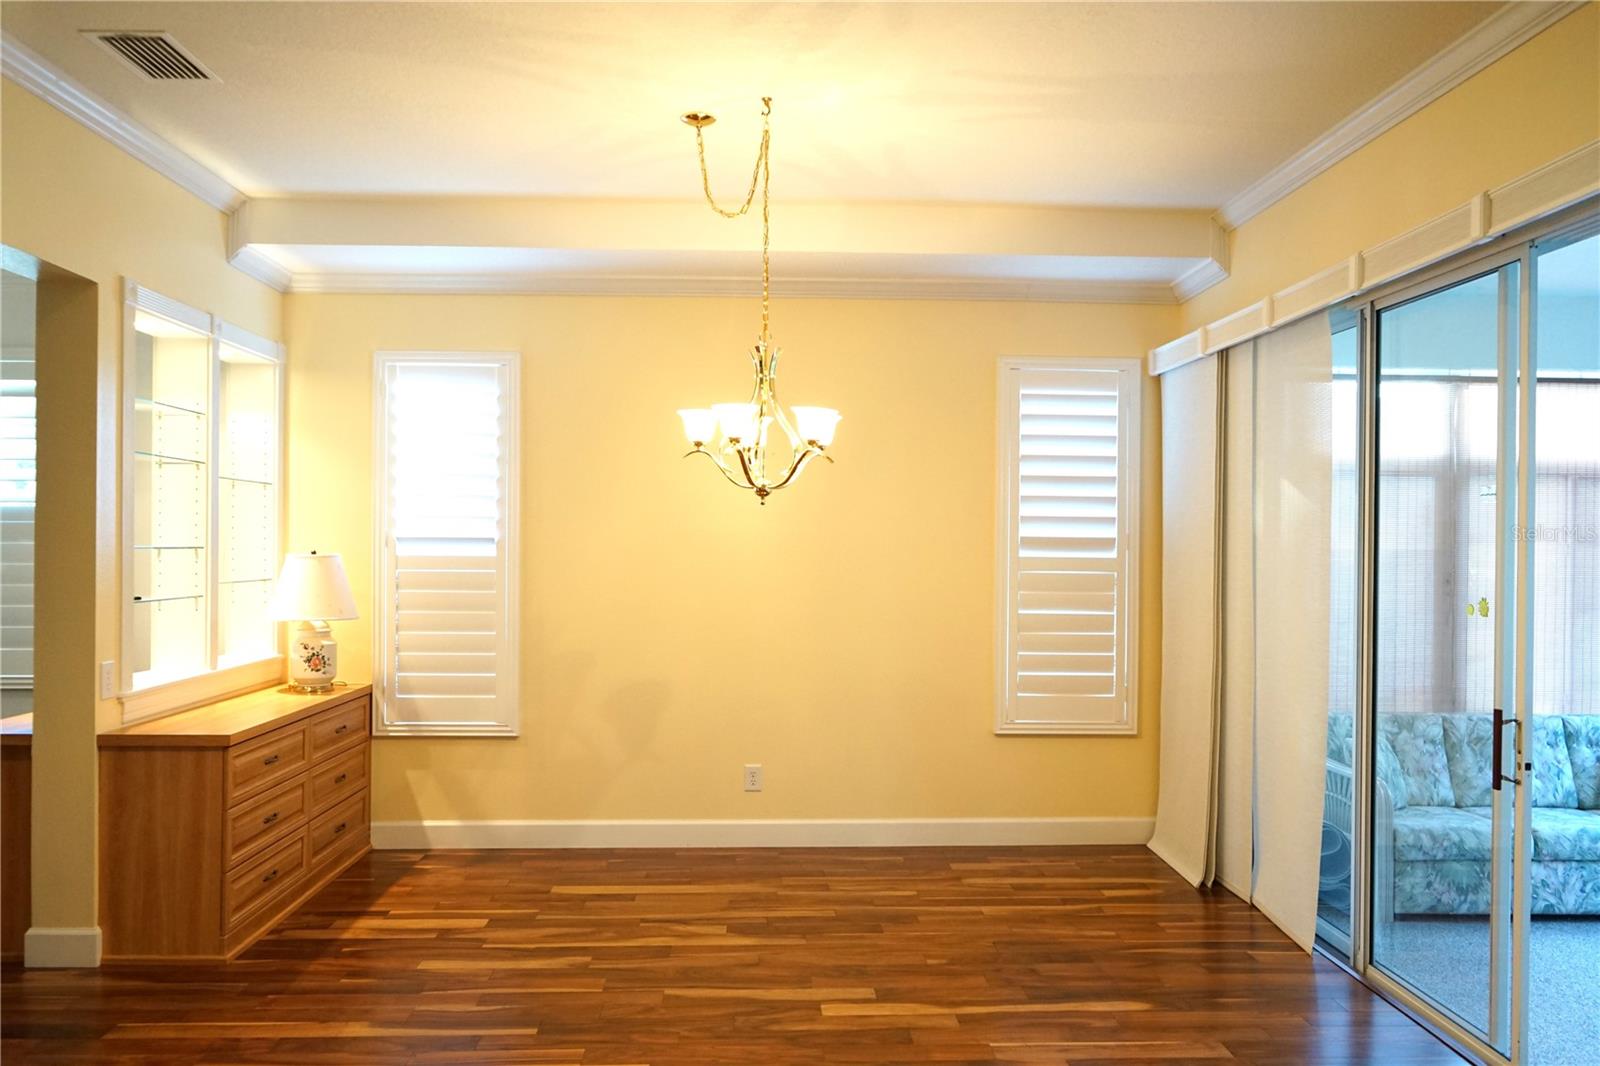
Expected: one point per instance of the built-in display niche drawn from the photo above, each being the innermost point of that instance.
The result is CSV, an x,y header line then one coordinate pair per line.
x,y
202,501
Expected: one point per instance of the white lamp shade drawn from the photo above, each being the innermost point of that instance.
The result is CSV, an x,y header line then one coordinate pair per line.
x,y
699,424
312,586
816,423
738,420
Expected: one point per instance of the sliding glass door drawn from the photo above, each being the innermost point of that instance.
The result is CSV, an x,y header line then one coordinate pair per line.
x,y
1474,747
1443,811
1562,657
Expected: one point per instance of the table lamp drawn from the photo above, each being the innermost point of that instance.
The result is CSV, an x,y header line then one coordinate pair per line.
x,y
312,590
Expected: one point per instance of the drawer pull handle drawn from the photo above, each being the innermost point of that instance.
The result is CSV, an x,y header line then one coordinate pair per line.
x,y
340,779
269,876
270,759
269,819
339,828
342,729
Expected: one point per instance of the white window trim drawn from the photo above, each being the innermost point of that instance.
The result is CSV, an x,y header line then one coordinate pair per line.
x,y
1131,388
170,697
507,655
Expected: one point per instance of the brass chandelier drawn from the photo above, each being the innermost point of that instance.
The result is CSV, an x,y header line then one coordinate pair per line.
x,y
736,436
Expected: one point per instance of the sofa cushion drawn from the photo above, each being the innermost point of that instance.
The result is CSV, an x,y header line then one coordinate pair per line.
x,y
1553,785
1341,746
1418,742
1569,835
1429,834
1469,749
1583,748
1390,775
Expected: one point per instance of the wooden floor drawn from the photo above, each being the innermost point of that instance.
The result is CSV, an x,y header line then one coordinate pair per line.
x,y
746,957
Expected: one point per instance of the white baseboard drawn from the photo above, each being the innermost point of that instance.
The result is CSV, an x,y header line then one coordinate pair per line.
x,y
61,947
795,833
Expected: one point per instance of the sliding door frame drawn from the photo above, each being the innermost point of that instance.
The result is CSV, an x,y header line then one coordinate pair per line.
x,y
1508,1017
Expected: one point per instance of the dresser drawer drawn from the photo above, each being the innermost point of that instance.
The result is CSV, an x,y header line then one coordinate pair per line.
x,y
337,729
338,777
265,761
255,822
339,829
260,880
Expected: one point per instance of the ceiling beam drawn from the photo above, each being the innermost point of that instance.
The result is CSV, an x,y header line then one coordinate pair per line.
x,y
662,225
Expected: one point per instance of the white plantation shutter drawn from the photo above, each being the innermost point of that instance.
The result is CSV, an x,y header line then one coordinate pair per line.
x,y
446,454
1068,470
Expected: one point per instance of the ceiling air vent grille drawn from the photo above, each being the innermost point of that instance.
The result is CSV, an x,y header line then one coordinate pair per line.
x,y
155,55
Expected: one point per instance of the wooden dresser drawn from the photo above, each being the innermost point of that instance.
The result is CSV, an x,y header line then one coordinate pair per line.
x,y
16,833
218,821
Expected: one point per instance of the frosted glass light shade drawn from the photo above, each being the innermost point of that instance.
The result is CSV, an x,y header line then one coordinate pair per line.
x,y
699,424
737,420
816,423
312,586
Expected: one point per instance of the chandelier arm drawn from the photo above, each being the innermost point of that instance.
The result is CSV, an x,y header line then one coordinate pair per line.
x,y
798,465
721,467
744,464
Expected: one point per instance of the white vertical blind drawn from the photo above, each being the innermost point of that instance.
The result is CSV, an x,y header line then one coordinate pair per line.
x,y
1069,471
1186,809
1294,485
447,426
1236,757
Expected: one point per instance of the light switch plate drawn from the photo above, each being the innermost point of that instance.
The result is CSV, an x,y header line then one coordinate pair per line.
x,y
108,680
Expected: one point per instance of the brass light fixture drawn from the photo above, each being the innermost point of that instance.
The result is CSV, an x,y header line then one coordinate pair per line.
x,y
736,436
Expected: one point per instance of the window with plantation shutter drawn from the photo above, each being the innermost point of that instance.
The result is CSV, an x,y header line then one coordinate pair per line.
x,y
446,426
1069,438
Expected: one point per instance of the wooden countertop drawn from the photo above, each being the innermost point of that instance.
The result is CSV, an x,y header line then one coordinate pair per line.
x,y
18,729
231,721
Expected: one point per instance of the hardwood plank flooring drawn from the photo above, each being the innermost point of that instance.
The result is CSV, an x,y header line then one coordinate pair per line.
x,y
749,957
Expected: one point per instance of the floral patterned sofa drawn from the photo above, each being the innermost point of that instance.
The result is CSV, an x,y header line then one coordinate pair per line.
x,y
1432,809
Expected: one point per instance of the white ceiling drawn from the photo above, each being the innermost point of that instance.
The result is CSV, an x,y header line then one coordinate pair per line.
x,y
1126,104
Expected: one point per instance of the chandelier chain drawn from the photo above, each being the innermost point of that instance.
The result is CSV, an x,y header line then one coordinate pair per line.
x,y
760,176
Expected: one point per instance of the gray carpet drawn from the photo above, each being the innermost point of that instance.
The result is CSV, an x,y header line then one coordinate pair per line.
x,y
1449,959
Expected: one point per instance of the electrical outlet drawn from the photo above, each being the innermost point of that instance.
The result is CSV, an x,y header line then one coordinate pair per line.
x,y
752,777
108,680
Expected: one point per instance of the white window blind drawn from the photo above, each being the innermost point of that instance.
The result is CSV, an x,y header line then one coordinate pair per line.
x,y
1068,552
446,453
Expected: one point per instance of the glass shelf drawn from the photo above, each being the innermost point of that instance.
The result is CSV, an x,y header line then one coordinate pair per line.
x,y
160,458
168,547
140,600
163,407
243,480
243,580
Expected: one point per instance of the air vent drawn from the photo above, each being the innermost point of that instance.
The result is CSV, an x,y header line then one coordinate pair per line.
x,y
155,55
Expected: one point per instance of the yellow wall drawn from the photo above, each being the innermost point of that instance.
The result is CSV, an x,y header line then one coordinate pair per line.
x,y
69,197
672,630
1536,104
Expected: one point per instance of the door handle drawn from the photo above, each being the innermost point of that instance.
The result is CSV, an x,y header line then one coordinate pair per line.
x,y
1496,759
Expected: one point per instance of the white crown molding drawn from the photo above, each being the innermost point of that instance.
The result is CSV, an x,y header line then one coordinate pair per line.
x,y
833,833
1513,25
1210,271
52,85
1565,182
1197,279
261,267
1033,289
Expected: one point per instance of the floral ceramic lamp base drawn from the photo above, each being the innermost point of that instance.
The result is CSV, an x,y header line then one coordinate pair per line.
x,y
313,658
